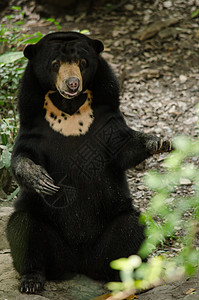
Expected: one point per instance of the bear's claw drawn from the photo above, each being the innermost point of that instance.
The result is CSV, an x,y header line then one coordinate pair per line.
x,y
45,185
159,146
31,283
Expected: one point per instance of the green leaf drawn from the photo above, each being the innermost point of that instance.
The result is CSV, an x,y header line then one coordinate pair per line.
x,y
195,13
126,264
154,180
6,158
11,196
16,7
85,31
19,23
115,286
1,164
10,57
4,138
33,40
119,263
182,143
51,20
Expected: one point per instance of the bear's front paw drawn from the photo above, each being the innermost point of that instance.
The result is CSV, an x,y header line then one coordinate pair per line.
x,y
159,146
32,283
33,177
42,182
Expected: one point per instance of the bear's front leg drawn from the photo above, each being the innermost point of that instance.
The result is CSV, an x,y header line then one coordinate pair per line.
x,y
32,176
138,147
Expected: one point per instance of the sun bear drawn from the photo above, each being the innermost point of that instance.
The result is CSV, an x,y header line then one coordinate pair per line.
x,y
74,212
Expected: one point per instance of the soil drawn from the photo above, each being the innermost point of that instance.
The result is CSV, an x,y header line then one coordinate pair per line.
x,y
153,46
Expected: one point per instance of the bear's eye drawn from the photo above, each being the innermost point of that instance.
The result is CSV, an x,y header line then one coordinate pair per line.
x,y
83,63
55,65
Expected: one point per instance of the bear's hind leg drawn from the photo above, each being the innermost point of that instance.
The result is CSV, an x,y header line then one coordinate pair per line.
x,y
37,251
122,238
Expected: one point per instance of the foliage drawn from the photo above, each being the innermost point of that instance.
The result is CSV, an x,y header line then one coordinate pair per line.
x,y
12,36
137,275
10,57
9,79
195,14
177,170
12,62
56,23
12,67
9,128
10,73
5,158
8,132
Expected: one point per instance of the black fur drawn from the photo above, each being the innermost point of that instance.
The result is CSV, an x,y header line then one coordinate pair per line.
x,y
74,211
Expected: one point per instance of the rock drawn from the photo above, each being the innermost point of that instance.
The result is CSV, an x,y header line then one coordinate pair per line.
x,y
5,212
167,4
116,33
183,78
129,7
185,181
79,287
197,34
69,18
191,120
107,56
174,290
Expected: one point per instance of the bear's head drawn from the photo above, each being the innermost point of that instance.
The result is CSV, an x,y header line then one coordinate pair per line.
x,y
65,61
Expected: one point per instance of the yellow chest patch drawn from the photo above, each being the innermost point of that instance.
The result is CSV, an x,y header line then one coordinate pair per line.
x,y
67,125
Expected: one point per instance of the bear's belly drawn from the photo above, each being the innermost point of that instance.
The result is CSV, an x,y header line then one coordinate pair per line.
x,y
80,219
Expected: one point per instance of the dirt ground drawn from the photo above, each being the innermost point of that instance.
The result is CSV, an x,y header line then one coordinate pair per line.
x,y
153,46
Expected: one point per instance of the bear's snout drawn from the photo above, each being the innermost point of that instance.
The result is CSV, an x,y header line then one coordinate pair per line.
x,y
69,80
72,84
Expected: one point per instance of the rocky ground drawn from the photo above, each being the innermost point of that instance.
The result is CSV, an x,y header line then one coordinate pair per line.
x,y
153,46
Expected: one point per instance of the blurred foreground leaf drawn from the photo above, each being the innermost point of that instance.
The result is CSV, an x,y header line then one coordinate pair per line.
x,y
10,57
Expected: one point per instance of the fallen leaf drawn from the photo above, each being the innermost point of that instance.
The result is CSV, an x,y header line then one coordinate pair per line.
x,y
102,297
190,291
131,297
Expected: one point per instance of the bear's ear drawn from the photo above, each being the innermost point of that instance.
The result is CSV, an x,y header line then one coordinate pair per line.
x,y
29,51
98,46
